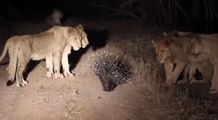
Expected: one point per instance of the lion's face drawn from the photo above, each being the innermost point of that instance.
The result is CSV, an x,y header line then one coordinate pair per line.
x,y
75,42
162,49
84,39
194,47
77,38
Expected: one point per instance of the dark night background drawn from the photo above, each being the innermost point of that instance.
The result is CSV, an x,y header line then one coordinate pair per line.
x,y
191,15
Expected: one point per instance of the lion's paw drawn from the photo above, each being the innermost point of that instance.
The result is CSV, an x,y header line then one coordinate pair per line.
x,y
213,91
68,74
49,75
21,84
58,76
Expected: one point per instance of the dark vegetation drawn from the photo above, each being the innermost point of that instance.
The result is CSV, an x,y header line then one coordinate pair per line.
x,y
190,15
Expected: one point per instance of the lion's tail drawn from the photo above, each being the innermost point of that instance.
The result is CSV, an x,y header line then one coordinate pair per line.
x,y
4,51
10,82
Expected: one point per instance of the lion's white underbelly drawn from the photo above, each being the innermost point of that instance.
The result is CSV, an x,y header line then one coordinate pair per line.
x,y
36,56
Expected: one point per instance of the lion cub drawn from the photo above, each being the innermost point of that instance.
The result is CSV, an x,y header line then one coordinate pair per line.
x,y
205,47
171,50
53,45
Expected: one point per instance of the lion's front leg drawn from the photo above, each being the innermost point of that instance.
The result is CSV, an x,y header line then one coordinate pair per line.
x,y
188,73
192,71
57,65
168,71
49,66
65,62
177,71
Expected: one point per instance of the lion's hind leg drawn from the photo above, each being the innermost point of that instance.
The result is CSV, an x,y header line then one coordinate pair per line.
x,y
49,66
19,76
22,61
214,86
11,69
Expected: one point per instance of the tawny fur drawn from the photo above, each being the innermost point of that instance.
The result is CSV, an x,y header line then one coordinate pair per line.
x,y
205,47
171,51
53,45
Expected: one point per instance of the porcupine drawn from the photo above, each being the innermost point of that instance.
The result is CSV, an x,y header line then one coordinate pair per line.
x,y
111,69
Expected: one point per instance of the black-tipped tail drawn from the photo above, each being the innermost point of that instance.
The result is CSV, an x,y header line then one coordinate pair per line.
x,y
10,82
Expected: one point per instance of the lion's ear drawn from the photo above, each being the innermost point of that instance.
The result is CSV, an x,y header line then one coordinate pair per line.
x,y
171,34
154,42
68,31
164,34
167,42
80,27
197,36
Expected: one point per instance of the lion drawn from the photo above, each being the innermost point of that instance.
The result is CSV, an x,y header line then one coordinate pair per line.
x,y
67,50
55,17
53,45
205,47
171,51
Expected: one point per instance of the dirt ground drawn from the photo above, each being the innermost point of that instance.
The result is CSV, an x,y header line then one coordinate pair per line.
x,y
74,98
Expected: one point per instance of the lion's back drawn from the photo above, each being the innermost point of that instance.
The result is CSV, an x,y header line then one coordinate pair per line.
x,y
210,43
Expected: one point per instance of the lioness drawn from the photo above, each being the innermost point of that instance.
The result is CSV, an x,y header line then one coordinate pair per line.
x,y
204,47
52,45
172,52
